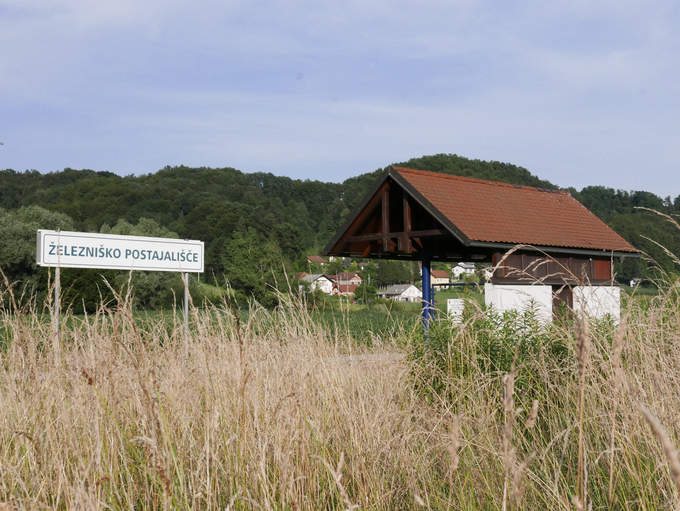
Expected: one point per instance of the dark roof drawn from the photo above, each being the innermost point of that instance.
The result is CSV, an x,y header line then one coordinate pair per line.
x,y
316,276
488,211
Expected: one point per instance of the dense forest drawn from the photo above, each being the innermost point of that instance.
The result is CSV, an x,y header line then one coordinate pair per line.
x,y
288,218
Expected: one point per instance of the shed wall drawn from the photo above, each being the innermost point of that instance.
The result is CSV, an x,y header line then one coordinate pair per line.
x,y
598,301
505,297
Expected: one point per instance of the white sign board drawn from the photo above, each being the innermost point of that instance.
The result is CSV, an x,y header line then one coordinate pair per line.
x,y
117,252
455,308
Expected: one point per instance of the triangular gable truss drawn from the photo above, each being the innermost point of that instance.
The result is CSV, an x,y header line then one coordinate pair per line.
x,y
394,221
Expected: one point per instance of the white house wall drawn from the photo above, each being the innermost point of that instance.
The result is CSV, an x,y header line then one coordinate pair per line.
x,y
411,294
598,301
323,284
505,297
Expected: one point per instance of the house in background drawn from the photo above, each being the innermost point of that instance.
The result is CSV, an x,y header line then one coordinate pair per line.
x,y
343,289
316,263
347,277
402,293
462,269
319,281
439,278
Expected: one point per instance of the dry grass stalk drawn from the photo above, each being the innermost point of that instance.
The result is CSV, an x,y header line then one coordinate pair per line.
x,y
577,503
617,349
518,486
508,393
583,353
454,445
131,422
533,415
669,448
337,478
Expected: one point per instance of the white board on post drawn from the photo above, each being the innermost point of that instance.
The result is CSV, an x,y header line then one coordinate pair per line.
x,y
118,252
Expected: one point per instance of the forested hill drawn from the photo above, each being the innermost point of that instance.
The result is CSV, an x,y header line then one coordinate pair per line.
x,y
300,216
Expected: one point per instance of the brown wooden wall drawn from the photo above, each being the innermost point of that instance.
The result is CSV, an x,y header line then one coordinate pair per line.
x,y
550,270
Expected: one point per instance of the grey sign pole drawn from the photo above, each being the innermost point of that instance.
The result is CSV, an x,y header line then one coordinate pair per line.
x,y
57,311
186,311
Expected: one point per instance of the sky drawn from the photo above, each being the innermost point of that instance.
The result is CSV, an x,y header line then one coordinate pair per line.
x,y
578,92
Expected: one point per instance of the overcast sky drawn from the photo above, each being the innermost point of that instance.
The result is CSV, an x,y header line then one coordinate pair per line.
x,y
579,92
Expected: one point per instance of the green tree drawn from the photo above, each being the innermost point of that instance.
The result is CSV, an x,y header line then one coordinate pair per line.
x,y
365,292
369,273
392,272
334,267
18,232
254,266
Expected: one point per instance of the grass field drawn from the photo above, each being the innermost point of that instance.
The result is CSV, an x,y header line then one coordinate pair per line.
x,y
298,409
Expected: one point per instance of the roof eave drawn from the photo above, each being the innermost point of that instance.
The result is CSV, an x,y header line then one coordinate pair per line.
x,y
352,216
554,249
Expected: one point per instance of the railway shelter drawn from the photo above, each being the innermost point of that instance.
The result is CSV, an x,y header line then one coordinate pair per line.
x,y
544,245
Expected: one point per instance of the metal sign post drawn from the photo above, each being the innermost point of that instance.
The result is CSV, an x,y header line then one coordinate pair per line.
x,y
186,311
57,311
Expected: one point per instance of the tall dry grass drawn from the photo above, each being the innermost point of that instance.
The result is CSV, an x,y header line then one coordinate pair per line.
x,y
275,412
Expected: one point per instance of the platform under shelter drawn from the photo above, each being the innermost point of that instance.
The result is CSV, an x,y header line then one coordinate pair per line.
x,y
532,236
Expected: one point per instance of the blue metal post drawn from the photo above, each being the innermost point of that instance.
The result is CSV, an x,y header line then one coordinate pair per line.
x,y
427,293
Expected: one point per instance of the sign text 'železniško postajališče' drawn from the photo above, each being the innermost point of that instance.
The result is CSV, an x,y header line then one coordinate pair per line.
x,y
118,252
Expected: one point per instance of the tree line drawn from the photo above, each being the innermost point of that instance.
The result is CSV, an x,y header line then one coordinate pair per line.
x,y
271,222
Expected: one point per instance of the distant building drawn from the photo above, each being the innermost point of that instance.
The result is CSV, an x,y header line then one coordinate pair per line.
x,y
347,277
319,281
343,289
440,277
402,293
316,259
463,269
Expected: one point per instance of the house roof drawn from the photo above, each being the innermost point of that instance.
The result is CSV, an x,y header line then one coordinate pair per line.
x,y
396,289
440,274
316,276
347,275
488,211
346,288
301,274
466,266
316,259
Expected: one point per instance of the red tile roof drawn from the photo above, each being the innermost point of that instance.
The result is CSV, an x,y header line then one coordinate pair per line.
x,y
347,275
346,288
505,213
440,274
316,259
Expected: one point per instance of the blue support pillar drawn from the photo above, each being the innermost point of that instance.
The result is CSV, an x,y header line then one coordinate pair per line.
x,y
427,293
